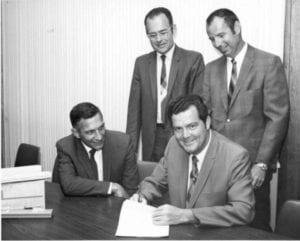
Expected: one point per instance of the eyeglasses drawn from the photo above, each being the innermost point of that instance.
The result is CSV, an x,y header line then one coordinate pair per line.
x,y
163,33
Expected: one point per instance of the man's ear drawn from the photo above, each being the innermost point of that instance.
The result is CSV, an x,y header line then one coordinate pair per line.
x,y
75,132
237,27
174,30
207,122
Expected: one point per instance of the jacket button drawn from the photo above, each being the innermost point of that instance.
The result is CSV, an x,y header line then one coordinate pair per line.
x,y
228,120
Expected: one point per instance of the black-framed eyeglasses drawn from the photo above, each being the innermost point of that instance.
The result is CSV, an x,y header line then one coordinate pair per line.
x,y
162,33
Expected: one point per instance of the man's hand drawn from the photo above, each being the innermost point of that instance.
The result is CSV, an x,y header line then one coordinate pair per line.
x,y
168,215
118,191
138,197
258,176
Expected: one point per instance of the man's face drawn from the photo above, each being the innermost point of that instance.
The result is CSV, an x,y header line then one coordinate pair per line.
x,y
91,131
190,131
160,33
222,37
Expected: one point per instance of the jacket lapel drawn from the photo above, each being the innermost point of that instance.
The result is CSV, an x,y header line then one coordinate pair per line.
x,y
183,166
244,72
222,77
106,156
206,168
152,76
83,159
173,71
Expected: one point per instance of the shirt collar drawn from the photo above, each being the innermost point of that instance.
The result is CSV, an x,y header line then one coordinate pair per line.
x,y
169,54
240,56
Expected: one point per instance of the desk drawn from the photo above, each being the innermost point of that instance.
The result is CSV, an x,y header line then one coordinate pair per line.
x,y
97,218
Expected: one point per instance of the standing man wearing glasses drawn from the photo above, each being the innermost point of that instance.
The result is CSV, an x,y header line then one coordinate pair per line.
x,y
159,77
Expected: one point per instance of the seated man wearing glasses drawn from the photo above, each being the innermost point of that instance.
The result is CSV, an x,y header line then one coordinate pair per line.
x,y
158,78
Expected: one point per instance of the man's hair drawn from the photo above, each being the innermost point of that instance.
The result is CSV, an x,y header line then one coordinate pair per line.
x,y
157,11
84,110
184,102
229,17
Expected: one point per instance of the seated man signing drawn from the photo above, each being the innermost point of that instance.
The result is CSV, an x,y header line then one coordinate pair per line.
x,y
206,174
93,160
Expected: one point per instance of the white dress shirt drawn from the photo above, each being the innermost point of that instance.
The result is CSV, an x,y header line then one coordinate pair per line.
x,y
162,92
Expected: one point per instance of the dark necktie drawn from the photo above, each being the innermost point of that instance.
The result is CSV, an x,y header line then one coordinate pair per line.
x,y
163,84
233,80
163,75
93,163
193,177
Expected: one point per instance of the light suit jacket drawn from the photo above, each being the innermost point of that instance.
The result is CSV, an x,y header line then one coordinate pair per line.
x,y
73,169
257,117
223,193
186,76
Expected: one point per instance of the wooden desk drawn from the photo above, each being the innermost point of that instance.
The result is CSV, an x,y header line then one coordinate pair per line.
x,y
97,218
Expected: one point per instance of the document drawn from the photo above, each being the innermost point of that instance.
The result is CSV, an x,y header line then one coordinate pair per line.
x,y
136,221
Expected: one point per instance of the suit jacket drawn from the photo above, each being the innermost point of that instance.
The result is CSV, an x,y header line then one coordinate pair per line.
x,y
257,117
186,75
223,193
73,169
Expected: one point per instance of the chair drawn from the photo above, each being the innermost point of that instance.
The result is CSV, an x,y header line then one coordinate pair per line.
x,y
145,168
27,155
288,222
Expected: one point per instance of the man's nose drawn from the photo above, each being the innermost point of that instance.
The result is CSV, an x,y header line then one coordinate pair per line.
x,y
186,133
218,42
98,135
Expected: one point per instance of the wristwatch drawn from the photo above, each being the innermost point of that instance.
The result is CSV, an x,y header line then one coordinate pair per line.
x,y
262,165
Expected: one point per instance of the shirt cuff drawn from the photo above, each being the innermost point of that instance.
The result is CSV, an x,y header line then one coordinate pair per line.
x,y
109,189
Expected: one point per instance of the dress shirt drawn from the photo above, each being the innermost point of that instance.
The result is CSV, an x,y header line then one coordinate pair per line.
x,y
99,161
239,60
200,156
162,92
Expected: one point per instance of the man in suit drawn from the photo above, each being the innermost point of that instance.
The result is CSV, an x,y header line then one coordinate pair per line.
x,y
93,160
159,77
206,174
246,91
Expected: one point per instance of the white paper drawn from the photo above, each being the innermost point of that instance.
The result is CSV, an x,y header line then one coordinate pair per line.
x,y
136,221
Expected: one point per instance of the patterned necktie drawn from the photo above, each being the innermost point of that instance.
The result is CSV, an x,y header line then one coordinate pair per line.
x,y
233,80
163,75
193,177
93,163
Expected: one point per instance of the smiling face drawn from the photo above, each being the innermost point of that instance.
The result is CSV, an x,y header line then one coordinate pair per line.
x,y
91,131
190,131
228,42
160,33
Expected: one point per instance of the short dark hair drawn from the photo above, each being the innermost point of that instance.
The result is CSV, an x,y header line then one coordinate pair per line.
x,y
184,102
229,17
157,11
84,110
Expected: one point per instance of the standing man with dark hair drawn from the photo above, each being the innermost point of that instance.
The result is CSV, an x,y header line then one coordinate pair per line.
x,y
206,174
246,90
93,160
159,77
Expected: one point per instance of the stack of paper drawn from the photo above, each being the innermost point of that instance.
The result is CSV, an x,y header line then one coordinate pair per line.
x,y
136,221
23,192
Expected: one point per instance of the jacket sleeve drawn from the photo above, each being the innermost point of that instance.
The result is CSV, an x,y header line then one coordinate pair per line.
x,y
239,208
72,184
130,175
196,75
134,108
276,111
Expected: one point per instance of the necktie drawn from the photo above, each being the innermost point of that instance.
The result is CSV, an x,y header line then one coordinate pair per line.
x,y
93,163
193,177
163,75
163,84
233,80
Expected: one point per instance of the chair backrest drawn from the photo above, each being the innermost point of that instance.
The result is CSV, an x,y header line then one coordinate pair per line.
x,y
145,168
27,155
288,222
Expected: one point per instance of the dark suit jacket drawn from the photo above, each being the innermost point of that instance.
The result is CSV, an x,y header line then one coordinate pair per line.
x,y
186,75
257,117
73,169
223,193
